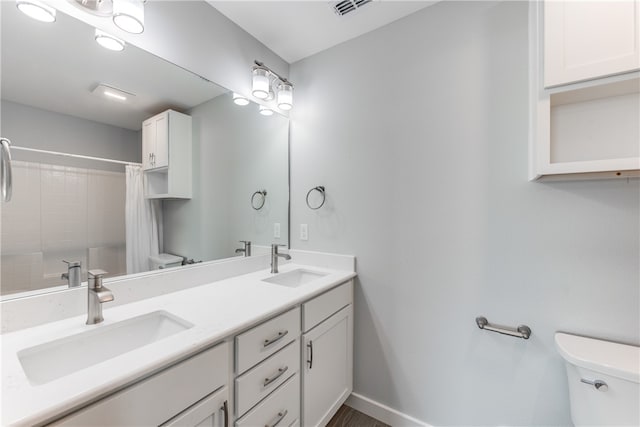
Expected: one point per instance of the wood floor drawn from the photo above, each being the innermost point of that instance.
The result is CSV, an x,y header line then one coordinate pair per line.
x,y
349,417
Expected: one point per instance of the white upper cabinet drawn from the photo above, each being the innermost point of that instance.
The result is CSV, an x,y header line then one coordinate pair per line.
x,y
166,155
584,89
584,40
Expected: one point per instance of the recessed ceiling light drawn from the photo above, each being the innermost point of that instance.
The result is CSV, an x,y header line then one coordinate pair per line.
x,y
266,111
239,99
128,15
112,93
37,10
108,41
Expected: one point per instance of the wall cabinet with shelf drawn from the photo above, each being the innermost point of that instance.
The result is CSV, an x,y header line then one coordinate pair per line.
x,y
167,155
587,129
590,39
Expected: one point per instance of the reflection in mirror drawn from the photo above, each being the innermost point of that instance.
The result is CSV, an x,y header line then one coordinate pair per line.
x,y
73,209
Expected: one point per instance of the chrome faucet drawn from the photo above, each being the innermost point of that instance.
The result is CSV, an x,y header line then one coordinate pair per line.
x,y
275,255
72,276
246,249
97,294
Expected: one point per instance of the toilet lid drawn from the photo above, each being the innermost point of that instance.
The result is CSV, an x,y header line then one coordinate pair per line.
x,y
617,360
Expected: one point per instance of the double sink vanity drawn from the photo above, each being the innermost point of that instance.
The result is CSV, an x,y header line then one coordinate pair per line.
x,y
254,348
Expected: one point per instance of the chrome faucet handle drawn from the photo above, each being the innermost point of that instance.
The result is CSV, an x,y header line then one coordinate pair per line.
x,y
95,278
72,264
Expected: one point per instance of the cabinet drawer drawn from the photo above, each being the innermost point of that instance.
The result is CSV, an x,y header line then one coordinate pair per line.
x,y
257,383
281,408
264,340
158,398
323,306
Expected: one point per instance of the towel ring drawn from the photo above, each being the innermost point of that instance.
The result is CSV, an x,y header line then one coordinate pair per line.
x,y
319,189
260,202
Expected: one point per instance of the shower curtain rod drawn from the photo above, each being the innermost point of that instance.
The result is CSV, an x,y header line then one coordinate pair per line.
x,y
75,156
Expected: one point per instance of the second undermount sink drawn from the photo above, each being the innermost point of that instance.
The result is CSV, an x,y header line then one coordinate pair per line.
x,y
295,278
56,359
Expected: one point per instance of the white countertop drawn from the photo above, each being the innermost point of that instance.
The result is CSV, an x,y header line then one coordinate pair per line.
x,y
217,310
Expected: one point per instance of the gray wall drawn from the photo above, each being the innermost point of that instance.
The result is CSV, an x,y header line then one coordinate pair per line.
x,y
419,132
236,151
37,128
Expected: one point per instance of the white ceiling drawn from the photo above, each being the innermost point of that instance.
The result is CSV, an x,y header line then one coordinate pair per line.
x,y
297,29
56,66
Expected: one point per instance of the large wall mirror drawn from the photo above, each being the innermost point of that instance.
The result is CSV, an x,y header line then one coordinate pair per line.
x,y
75,209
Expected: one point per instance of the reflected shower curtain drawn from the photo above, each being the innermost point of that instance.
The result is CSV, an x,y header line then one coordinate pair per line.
x,y
142,221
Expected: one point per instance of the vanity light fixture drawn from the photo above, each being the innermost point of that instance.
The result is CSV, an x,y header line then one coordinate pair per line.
x,y
266,111
266,82
128,15
108,41
37,10
239,99
285,96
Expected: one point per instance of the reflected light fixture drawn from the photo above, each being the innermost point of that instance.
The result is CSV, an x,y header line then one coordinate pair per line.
x,y
108,41
239,99
37,10
264,80
112,93
266,111
128,15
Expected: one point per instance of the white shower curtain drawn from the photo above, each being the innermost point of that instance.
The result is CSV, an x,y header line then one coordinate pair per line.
x,y
143,222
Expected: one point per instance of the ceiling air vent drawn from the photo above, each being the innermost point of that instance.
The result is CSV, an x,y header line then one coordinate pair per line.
x,y
341,8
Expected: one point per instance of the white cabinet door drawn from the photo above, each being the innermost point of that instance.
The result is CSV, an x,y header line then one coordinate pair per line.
x,y
161,153
328,367
212,411
588,39
148,143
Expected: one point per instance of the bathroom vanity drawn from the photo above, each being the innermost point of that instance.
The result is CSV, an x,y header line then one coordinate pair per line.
x,y
253,349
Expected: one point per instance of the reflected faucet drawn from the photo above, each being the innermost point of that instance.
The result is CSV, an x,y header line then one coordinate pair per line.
x,y
72,276
246,249
96,296
275,255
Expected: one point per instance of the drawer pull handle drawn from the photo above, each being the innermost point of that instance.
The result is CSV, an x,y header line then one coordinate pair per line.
x,y
225,409
280,417
310,360
275,339
277,375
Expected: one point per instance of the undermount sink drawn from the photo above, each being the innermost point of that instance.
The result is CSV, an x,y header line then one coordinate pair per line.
x,y
295,278
56,359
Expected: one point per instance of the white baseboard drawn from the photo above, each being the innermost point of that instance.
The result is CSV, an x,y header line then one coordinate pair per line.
x,y
382,412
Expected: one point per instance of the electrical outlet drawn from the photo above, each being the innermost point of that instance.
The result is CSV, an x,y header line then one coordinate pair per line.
x,y
276,230
304,232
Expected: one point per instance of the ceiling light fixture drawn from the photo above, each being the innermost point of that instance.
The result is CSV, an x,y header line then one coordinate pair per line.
x,y
128,15
108,41
112,93
37,10
239,99
264,80
266,111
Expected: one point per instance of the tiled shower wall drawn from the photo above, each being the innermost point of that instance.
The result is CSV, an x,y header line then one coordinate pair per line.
x,y
61,213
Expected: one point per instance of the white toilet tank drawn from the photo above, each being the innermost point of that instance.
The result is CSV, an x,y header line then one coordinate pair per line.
x,y
604,380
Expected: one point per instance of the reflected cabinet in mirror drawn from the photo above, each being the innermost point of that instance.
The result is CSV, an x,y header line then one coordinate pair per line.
x,y
65,94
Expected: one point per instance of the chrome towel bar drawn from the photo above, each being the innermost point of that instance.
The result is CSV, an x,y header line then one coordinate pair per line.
x,y
522,331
